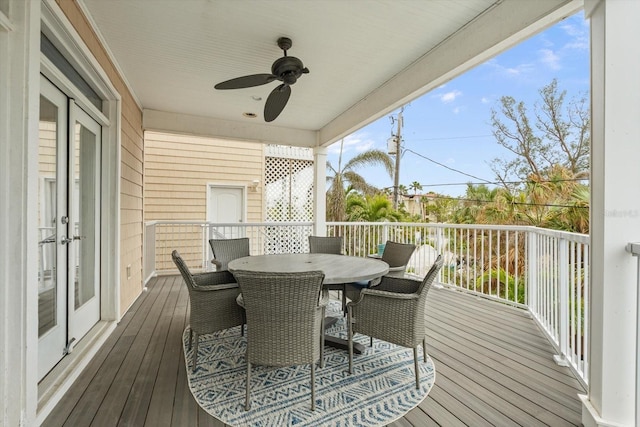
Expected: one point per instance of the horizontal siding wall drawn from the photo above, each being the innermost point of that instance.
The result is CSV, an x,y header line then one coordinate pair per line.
x,y
178,169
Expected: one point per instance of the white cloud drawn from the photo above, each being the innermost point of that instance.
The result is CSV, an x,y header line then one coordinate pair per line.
x,y
364,145
485,100
579,32
572,30
578,44
456,110
356,142
450,96
517,71
549,58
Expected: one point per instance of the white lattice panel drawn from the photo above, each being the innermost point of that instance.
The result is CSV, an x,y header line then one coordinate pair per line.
x,y
288,189
288,152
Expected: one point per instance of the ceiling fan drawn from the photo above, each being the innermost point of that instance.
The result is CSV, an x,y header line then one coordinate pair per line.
x,y
286,69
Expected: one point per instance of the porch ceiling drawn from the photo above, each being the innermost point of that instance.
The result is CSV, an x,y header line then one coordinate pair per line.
x,y
366,58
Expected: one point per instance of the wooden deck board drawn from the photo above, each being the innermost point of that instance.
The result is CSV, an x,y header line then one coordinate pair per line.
x,y
501,385
134,365
463,414
499,349
512,324
493,367
164,390
136,407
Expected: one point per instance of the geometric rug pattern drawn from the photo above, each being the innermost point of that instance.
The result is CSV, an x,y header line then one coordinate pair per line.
x,y
380,390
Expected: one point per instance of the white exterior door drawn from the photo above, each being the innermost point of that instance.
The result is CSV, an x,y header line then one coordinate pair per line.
x,y
84,214
52,228
69,233
226,205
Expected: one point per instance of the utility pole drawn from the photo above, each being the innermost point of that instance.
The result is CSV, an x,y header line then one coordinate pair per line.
x,y
396,179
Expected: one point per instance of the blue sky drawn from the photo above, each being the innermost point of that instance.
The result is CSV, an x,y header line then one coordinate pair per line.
x,y
451,124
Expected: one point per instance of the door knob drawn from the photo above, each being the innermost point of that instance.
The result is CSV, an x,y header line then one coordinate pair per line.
x,y
64,240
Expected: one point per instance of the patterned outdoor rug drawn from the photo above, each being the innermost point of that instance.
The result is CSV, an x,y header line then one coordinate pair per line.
x,y
381,389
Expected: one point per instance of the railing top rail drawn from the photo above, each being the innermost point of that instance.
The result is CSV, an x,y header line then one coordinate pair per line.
x,y
227,224
437,225
174,221
576,237
633,248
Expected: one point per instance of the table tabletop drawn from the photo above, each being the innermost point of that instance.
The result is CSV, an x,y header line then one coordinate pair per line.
x,y
336,268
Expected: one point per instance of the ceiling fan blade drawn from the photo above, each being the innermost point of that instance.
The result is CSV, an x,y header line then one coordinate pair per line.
x,y
246,81
276,101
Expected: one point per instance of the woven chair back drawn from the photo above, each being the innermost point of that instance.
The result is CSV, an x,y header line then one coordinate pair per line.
x,y
184,270
325,245
431,275
283,316
226,250
397,254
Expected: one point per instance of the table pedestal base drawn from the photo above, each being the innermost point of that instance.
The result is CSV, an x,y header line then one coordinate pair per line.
x,y
335,342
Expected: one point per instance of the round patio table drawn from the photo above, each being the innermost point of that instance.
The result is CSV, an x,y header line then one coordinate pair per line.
x,y
337,269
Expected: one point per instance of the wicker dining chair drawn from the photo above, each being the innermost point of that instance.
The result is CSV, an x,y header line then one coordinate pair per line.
x,y
397,255
325,245
226,250
330,245
393,311
212,297
285,320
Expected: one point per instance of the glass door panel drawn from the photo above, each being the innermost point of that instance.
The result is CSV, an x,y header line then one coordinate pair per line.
x,y
52,227
47,230
85,217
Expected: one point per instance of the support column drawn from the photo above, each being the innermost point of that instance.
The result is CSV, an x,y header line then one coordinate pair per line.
x,y
615,210
320,191
19,100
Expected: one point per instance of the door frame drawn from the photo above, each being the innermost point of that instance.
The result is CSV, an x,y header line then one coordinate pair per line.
x,y
55,25
57,29
212,185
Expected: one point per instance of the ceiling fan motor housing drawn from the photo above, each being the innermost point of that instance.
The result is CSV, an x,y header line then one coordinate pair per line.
x,y
288,69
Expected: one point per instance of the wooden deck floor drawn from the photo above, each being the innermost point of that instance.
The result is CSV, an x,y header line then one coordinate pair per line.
x,y
493,367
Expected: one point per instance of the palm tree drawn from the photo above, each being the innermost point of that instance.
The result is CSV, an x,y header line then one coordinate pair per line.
x,y
441,206
415,186
372,208
338,177
473,204
574,215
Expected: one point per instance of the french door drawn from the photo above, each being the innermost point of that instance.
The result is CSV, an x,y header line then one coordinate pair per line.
x,y
69,225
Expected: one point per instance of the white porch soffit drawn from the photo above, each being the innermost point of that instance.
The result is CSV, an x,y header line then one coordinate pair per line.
x,y
365,58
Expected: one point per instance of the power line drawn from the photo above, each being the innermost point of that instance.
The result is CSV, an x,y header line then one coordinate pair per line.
x,y
447,167
451,138
506,182
485,181
511,203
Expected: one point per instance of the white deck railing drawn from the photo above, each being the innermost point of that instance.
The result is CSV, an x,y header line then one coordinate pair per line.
x,y
191,239
634,249
543,271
